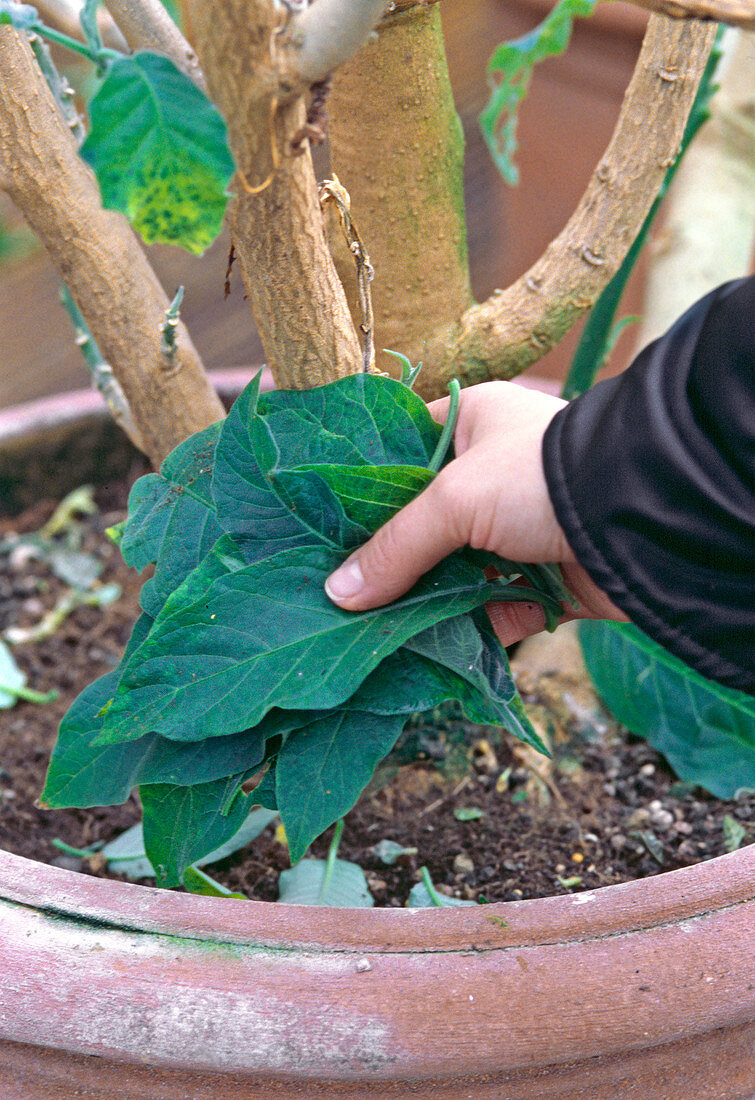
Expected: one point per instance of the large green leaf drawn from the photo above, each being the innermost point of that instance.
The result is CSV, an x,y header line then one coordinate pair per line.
x,y
187,471
365,497
243,661
509,73
183,824
245,502
323,768
84,773
127,855
190,534
172,519
705,731
236,640
405,683
468,646
364,419
160,152
359,421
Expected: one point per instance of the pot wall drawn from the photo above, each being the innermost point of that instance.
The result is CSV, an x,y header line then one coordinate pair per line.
x,y
648,985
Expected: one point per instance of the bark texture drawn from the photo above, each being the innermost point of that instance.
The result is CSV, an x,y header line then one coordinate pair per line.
x,y
397,146
146,25
297,299
738,13
325,35
63,15
708,235
98,257
511,330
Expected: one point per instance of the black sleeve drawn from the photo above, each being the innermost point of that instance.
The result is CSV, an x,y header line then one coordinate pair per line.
x,y
652,476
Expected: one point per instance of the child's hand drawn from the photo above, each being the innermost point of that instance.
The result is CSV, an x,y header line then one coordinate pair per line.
x,y
493,496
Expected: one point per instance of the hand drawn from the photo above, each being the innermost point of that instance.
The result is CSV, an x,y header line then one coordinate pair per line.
x,y
492,496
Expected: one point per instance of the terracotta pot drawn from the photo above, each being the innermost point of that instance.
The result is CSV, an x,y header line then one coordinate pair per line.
x,y
111,990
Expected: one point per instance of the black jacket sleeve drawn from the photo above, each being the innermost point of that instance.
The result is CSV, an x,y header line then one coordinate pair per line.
x,y
652,476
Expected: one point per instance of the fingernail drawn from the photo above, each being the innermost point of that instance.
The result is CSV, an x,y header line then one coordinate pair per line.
x,y
345,582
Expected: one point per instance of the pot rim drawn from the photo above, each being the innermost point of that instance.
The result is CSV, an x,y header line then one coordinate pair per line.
x,y
724,882
63,409
685,894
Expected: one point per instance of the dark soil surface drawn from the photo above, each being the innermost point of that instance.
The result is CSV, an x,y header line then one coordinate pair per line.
x,y
605,810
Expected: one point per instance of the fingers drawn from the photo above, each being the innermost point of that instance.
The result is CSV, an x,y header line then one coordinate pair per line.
x,y
514,621
416,539
439,409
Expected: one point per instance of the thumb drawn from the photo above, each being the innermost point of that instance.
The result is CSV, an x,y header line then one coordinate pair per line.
x,y
413,541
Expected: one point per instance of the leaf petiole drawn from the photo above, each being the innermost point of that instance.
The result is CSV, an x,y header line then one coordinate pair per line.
x,y
88,21
81,853
29,696
331,861
435,897
408,372
197,882
454,394
100,57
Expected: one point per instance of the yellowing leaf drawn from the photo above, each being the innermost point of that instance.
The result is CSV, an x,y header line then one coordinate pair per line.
x,y
160,153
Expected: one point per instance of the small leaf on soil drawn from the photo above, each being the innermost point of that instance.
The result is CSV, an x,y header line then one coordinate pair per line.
x,y
734,833
11,678
126,854
425,896
468,813
306,884
388,852
75,568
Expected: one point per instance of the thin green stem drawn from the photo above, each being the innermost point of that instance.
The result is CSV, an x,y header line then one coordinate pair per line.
x,y
97,57
60,88
172,318
454,394
435,897
29,696
331,861
88,20
82,853
408,372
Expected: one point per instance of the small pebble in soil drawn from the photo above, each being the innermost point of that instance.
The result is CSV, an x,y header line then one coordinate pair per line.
x,y
660,818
